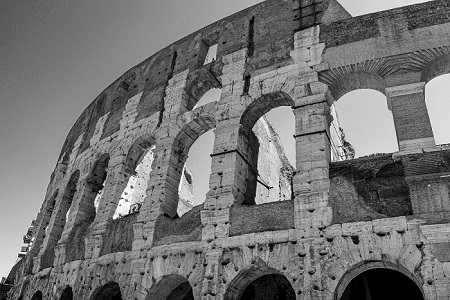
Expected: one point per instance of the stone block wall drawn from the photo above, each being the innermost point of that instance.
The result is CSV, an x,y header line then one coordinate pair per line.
x,y
327,223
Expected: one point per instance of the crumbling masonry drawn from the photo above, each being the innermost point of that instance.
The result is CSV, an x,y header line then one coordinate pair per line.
x,y
317,230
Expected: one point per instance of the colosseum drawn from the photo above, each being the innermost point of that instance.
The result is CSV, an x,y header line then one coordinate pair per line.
x,y
118,220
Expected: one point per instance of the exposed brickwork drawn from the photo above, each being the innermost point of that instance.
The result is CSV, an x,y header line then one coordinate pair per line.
x,y
310,228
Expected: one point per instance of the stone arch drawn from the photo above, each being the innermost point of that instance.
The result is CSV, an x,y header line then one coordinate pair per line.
x,y
70,191
108,291
138,165
355,79
171,287
352,252
59,220
366,266
264,181
436,100
238,287
345,83
67,294
261,106
37,296
435,68
138,149
44,223
92,192
181,145
438,67
198,83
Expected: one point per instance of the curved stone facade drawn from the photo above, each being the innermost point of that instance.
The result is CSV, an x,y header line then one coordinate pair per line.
x,y
325,222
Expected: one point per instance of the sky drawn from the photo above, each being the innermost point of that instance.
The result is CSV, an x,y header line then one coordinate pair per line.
x,y
57,56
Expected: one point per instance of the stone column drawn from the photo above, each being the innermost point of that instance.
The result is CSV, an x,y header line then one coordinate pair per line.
x,y
412,123
312,135
313,156
228,180
210,289
230,159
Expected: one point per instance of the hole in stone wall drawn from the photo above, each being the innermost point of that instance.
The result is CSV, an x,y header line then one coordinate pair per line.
x,y
135,192
438,105
211,54
276,155
367,125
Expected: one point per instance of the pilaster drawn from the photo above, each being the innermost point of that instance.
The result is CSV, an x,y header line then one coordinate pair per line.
x,y
411,120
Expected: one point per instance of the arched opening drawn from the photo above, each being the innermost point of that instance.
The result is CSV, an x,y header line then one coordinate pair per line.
x,y
109,291
381,284
260,283
37,296
36,241
210,96
55,230
67,294
194,183
95,184
363,125
171,287
270,167
436,98
188,135
48,213
140,158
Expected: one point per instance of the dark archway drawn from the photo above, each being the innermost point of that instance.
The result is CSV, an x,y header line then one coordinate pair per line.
x,y
37,296
379,284
268,287
260,283
109,291
171,287
67,294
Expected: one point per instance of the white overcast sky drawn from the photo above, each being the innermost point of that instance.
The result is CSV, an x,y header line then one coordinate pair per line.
x,y
57,56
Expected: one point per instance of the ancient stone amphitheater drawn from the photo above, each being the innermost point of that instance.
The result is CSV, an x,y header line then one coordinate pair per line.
x,y
370,228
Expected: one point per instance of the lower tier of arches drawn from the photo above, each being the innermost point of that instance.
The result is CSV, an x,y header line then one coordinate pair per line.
x,y
365,260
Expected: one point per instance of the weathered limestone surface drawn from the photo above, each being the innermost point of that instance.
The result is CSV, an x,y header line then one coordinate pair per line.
x,y
314,226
